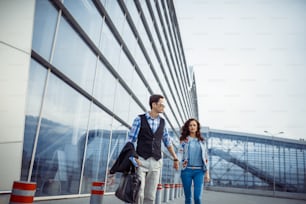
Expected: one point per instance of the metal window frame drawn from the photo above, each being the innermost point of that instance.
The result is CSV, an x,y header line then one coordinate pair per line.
x,y
183,118
174,59
134,30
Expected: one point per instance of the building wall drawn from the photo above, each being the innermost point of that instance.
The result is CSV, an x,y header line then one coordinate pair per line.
x,y
90,70
16,21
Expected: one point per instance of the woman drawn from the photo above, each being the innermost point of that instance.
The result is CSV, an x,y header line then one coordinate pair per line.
x,y
194,159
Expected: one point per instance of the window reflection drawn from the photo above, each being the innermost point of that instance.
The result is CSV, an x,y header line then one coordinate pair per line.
x,y
105,84
87,16
125,69
134,110
128,37
140,90
110,47
96,148
44,28
115,13
118,140
34,100
167,171
59,153
122,102
73,57
95,158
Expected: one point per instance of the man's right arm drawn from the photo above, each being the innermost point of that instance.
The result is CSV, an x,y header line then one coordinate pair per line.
x,y
133,134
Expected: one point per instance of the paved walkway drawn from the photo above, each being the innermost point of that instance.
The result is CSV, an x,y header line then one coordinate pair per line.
x,y
209,197
212,197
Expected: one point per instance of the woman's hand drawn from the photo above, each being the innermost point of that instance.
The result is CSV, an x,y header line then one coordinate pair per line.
x,y
185,163
207,177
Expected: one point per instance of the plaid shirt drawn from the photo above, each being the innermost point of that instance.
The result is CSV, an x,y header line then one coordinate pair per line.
x,y
154,123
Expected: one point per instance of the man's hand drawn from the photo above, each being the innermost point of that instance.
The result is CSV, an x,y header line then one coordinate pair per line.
x,y
176,164
138,162
175,159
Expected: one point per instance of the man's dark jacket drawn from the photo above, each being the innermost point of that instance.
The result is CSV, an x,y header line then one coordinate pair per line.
x,y
123,164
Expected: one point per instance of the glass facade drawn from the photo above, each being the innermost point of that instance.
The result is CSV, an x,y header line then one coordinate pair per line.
x,y
94,65
256,162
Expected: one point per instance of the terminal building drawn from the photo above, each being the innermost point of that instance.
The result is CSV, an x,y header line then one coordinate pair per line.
x,y
74,75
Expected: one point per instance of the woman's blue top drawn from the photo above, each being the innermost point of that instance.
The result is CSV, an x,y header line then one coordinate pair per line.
x,y
194,153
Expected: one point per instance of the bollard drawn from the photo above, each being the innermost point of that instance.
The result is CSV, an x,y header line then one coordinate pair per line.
x,y
166,193
182,190
23,192
158,193
171,191
97,193
177,189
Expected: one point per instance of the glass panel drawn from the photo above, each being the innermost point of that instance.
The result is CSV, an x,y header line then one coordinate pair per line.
x,y
122,101
125,69
146,71
131,7
97,148
149,20
110,47
134,110
118,140
60,147
104,2
87,16
153,56
73,57
140,90
128,37
44,28
34,99
167,170
105,84
116,15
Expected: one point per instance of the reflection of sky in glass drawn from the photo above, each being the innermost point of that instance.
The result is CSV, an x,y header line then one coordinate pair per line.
x,y
65,105
73,57
44,28
36,85
87,16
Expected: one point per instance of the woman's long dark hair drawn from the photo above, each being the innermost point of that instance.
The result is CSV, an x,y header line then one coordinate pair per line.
x,y
185,130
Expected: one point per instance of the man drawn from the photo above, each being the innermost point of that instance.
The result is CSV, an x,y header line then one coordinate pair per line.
x,y
148,130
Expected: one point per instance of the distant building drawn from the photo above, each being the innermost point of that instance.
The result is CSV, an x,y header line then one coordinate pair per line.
x,y
252,161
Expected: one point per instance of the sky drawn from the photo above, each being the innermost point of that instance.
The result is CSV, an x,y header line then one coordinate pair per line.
x,y
249,59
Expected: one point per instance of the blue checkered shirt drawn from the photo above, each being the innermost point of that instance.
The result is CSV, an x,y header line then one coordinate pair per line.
x,y
154,123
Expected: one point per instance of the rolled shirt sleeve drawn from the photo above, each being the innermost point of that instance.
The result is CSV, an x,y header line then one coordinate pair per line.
x,y
167,140
133,134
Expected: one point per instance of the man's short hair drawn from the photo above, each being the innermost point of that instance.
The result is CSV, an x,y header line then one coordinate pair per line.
x,y
154,99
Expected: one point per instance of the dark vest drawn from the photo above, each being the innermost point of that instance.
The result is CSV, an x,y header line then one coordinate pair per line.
x,y
149,143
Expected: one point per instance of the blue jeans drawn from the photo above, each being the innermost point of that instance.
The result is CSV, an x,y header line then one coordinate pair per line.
x,y
197,175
